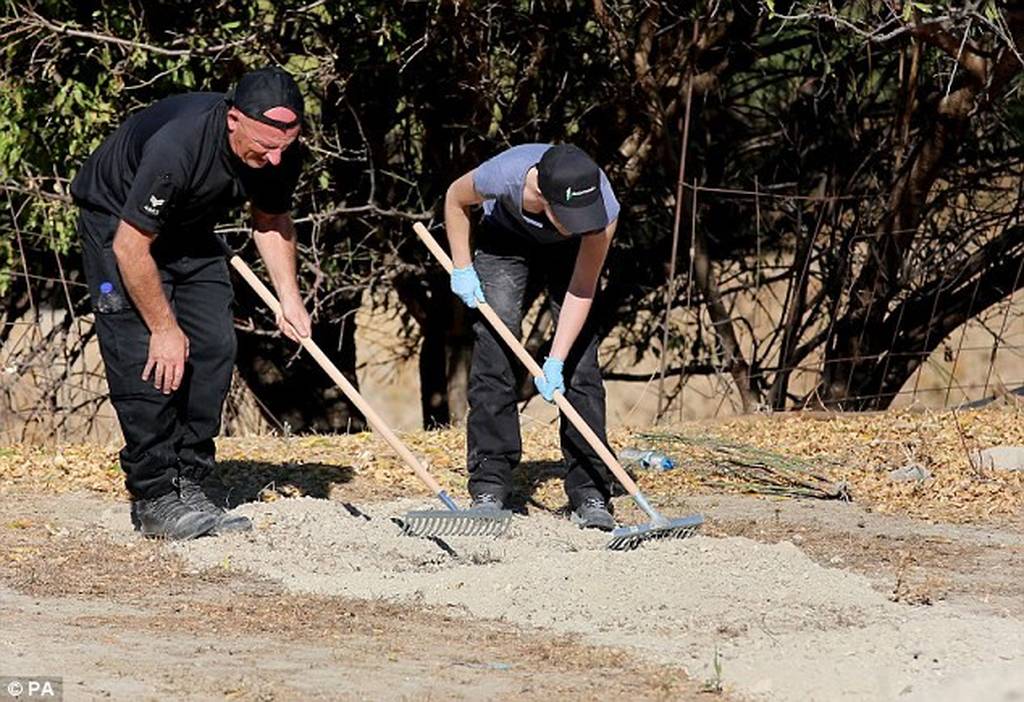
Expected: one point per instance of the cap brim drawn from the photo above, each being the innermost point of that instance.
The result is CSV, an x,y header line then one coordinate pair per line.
x,y
270,120
580,220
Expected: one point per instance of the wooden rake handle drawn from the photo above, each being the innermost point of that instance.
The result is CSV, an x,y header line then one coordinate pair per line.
x,y
342,382
535,370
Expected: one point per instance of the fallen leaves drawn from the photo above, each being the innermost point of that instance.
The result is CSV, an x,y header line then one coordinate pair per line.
x,y
858,449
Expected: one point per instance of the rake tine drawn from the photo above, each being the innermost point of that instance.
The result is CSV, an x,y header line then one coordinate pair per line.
x,y
628,538
456,523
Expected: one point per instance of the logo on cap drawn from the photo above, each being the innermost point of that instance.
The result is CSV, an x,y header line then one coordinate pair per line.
x,y
571,183
570,193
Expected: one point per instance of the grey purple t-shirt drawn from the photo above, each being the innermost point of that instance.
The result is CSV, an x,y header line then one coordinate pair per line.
x,y
500,181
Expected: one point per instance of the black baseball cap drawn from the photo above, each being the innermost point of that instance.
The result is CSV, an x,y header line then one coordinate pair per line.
x,y
571,183
264,89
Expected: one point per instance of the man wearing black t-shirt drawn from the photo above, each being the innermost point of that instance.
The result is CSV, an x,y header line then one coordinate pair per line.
x,y
149,198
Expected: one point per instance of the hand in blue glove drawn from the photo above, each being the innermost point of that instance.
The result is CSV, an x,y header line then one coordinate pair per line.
x,y
466,285
552,379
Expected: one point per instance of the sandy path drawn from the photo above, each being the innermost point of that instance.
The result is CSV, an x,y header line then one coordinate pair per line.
x,y
795,597
785,627
120,617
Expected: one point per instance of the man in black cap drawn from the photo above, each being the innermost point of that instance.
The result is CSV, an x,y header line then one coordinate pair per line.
x,y
149,198
549,211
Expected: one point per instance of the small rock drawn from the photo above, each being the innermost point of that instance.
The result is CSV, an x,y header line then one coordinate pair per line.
x,y
999,458
909,473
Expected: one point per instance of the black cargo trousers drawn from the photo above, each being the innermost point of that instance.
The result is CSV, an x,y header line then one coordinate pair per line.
x,y
164,434
506,263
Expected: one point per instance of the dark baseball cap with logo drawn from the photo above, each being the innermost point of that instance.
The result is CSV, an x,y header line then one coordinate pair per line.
x,y
571,183
264,89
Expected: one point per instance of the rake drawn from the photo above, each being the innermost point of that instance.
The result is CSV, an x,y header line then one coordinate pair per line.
x,y
424,523
624,538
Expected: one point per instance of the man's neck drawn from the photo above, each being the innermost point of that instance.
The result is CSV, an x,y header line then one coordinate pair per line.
x,y
533,201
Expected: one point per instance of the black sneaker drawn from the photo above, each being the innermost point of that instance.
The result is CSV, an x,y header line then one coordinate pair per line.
x,y
592,513
487,501
169,518
192,494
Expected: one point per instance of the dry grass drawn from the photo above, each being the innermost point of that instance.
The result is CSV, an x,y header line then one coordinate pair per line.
x,y
862,449
856,449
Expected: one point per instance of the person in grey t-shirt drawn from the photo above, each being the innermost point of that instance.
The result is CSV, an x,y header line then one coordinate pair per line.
x,y
549,212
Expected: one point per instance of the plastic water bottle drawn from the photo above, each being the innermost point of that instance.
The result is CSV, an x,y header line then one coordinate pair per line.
x,y
109,299
646,458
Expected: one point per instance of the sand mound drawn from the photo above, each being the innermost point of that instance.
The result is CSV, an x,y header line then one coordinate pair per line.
x,y
784,627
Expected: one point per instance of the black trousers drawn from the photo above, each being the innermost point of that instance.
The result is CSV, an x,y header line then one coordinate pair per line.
x,y
164,434
507,263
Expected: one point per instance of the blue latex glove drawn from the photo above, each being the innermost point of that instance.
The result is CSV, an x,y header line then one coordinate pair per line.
x,y
552,379
466,285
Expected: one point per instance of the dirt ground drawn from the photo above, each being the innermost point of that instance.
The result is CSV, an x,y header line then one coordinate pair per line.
x,y
776,600
913,591
120,617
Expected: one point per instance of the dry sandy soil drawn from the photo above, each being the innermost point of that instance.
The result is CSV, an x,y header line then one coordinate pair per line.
x,y
325,599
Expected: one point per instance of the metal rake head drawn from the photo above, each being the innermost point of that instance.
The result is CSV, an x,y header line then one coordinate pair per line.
x,y
627,538
464,522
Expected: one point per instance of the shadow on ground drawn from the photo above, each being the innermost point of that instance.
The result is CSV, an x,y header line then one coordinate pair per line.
x,y
528,478
238,482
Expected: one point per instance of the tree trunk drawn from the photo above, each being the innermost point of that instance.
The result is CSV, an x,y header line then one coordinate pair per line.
x,y
460,351
729,347
866,334
989,276
433,372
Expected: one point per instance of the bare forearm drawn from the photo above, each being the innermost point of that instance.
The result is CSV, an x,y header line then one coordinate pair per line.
x,y
142,281
582,288
570,321
277,248
456,224
276,241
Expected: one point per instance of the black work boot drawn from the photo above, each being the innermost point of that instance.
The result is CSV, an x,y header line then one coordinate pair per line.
x,y
193,495
168,517
487,501
592,513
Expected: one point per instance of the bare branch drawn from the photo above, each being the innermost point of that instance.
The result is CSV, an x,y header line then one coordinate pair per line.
x,y
62,28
